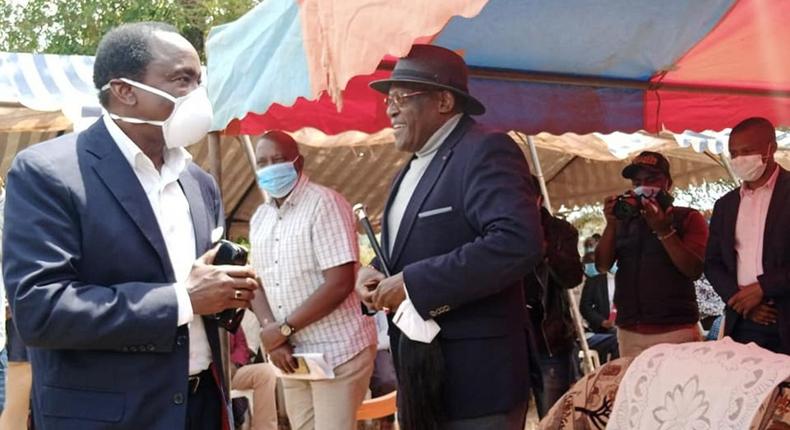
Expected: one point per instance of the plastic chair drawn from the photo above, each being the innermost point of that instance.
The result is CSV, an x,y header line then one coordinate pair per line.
x,y
378,407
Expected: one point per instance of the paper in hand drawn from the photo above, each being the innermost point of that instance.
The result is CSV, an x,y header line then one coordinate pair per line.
x,y
409,321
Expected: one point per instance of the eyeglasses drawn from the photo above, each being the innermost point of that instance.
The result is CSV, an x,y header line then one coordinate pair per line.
x,y
398,99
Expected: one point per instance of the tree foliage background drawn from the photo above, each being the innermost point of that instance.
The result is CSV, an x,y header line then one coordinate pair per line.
x,y
76,26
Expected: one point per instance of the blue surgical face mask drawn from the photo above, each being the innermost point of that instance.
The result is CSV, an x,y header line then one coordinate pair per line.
x,y
278,179
614,268
590,270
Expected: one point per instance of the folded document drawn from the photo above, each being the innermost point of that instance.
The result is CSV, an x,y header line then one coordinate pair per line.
x,y
312,367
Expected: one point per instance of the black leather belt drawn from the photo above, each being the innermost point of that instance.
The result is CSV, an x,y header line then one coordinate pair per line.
x,y
195,380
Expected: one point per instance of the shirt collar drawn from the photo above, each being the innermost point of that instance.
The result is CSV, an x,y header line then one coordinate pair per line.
x,y
439,136
767,186
176,159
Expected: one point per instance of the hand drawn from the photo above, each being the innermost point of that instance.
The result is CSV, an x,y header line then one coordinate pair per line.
x,y
282,357
658,220
608,209
746,299
215,288
368,279
271,337
390,293
763,314
607,324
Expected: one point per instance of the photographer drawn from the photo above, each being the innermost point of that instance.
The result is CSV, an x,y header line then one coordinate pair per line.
x,y
659,250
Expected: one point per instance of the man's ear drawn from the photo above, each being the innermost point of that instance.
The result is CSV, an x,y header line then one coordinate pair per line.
x,y
447,101
123,93
772,150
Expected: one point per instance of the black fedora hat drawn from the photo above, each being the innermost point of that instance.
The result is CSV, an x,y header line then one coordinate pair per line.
x,y
435,66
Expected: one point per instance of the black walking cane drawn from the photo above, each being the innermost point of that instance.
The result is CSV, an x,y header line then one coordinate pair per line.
x,y
419,366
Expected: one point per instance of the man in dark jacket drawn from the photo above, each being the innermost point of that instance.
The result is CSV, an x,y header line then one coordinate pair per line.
x,y
596,308
459,233
747,261
659,249
551,325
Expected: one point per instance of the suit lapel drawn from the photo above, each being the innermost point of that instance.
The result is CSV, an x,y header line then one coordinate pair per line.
x,y
424,187
776,208
197,209
730,222
116,173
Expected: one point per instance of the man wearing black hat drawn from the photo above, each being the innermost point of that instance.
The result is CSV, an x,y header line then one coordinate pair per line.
x,y
460,231
659,249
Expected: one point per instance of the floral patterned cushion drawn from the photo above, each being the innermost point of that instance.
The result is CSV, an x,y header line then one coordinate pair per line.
x,y
588,404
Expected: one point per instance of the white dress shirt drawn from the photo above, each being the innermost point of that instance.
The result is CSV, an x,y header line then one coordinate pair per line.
x,y
610,286
171,208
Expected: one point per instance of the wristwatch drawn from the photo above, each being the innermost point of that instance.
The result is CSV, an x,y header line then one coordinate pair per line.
x,y
285,329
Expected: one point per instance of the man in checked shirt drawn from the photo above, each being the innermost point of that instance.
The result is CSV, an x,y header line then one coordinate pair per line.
x,y
304,248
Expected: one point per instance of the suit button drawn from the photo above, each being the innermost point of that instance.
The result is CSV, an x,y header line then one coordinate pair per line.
x,y
178,399
181,340
433,314
150,347
132,348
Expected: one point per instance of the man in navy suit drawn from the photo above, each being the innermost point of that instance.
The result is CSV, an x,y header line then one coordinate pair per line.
x,y
460,231
747,260
102,237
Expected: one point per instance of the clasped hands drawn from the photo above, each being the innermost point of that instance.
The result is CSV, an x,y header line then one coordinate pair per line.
x,y
748,302
379,292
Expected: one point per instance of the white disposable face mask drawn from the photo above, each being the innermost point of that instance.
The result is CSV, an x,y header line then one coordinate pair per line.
x,y
748,167
647,191
189,121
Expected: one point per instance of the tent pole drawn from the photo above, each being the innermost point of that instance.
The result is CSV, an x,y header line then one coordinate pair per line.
x,y
544,191
215,165
215,157
574,307
246,143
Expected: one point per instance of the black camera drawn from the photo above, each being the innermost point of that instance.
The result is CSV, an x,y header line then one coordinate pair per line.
x,y
629,205
230,253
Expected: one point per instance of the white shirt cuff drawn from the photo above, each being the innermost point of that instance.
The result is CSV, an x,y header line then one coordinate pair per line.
x,y
185,314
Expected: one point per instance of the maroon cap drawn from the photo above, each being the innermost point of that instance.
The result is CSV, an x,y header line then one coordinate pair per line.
x,y
647,160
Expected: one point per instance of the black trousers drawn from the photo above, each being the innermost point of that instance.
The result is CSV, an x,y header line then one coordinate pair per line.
x,y
746,331
204,403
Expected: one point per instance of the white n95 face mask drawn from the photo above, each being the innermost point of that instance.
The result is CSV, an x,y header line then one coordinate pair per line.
x,y
189,121
748,167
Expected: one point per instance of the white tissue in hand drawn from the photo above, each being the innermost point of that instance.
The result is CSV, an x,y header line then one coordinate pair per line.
x,y
409,321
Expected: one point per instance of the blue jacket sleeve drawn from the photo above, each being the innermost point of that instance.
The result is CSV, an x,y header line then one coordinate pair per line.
x,y
500,203
52,306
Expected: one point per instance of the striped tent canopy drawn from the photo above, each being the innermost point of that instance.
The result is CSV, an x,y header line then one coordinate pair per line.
x,y
539,66
50,83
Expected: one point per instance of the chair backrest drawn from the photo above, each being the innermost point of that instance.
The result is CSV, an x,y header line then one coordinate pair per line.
x,y
378,407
